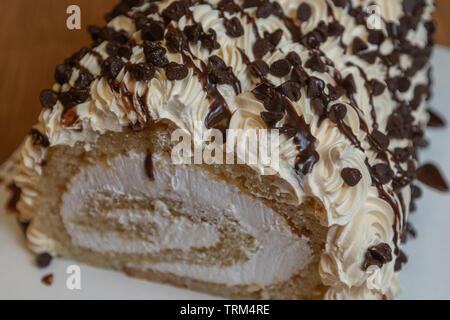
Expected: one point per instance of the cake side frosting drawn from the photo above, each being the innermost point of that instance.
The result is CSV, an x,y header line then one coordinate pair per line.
x,y
350,101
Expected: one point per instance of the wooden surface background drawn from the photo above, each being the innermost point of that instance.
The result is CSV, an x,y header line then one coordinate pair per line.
x,y
34,39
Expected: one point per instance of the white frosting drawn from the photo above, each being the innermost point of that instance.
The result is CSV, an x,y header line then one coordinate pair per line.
x,y
353,213
206,206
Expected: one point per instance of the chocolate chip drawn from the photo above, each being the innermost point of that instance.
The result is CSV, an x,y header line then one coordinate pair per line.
x,y
299,74
359,45
274,101
280,68
335,29
304,12
382,173
261,48
219,73
340,3
228,6
315,87
176,41
94,31
112,48
318,105
121,36
316,64
376,37
403,84
84,80
142,71
234,28
175,11
294,59
63,73
259,68
403,154
75,59
400,261
175,71
379,141
274,37
155,54
48,98
111,67
291,90
193,32
48,279
392,84
43,260
376,87
209,40
264,9
378,255
262,91
351,176
349,84
74,96
337,113
154,31
125,51
335,93
251,3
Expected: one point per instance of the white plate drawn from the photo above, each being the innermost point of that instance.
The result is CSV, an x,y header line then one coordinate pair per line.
x,y
426,276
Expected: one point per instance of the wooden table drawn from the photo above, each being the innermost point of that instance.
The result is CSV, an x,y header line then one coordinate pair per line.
x,y
34,38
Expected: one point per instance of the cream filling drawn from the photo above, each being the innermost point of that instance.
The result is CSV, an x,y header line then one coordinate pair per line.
x,y
185,211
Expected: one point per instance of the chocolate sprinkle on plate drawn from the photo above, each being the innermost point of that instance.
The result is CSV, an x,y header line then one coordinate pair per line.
x,y
435,121
47,280
430,175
